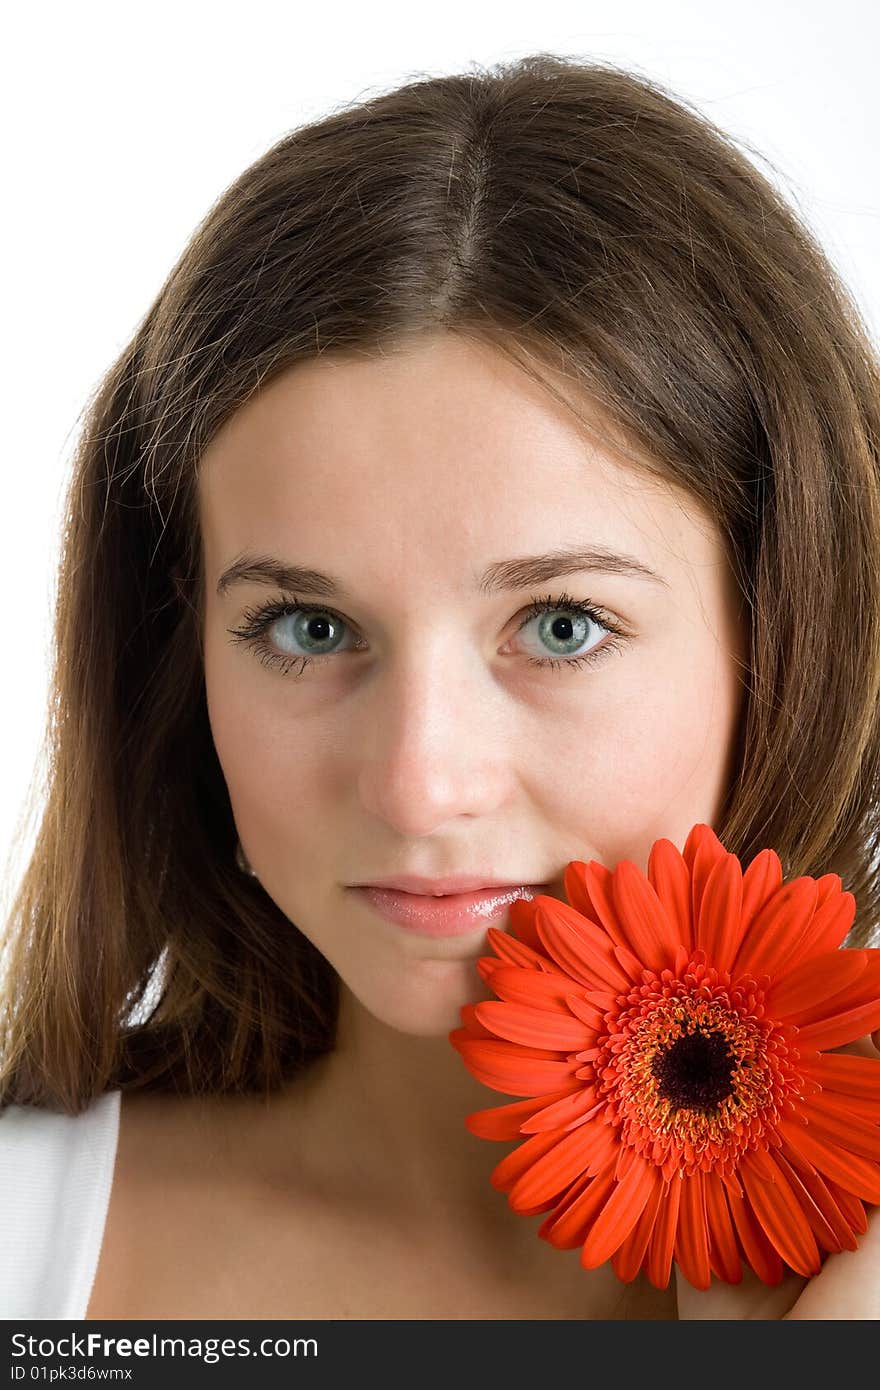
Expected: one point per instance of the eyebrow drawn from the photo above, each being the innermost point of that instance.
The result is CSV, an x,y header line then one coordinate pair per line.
x,y
500,577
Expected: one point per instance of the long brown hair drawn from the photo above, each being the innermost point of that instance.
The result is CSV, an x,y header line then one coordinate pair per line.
x,y
624,252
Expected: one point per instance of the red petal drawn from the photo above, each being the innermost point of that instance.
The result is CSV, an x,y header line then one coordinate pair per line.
x,y
761,880
702,850
620,1213
814,981
779,1212
541,1206
843,1071
603,953
472,1028
670,878
600,1000
565,1112
505,1121
577,890
834,915
486,965
840,1028
521,915
513,951
843,1232
851,1207
719,925
593,884
777,928
658,1262
863,991
626,1157
567,1160
587,1013
538,988
692,1238
504,1067
839,1127
512,1166
520,1023
476,1036
858,1175
823,1230
568,1228
629,1258
762,1164
723,1251
576,947
865,1107
630,963
608,1147
760,1255
681,959
651,936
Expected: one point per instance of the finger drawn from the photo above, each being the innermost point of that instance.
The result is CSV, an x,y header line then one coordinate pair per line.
x,y
848,1285
749,1299
868,1046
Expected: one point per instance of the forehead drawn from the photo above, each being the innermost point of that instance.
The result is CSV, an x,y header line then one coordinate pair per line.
x,y
430,462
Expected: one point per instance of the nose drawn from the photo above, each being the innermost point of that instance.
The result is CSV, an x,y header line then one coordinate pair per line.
x,y
438,745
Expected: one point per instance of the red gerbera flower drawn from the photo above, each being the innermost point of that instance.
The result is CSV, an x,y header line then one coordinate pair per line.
x,y
672,1035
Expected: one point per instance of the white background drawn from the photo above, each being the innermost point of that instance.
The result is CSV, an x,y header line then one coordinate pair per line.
x,y
122,123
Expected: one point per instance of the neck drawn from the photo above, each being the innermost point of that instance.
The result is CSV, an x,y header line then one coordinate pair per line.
x,y
385,1110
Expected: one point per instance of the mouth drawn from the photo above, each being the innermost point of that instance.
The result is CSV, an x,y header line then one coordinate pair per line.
x,y
448,914
450,885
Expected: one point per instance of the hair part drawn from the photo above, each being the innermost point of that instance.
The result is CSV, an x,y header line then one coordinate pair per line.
x,y
629,257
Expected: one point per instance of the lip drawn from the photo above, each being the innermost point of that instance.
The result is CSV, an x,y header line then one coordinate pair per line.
x,y
454,914
454,883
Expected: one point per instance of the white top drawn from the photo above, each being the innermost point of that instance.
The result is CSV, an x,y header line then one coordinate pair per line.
x,y
56,1171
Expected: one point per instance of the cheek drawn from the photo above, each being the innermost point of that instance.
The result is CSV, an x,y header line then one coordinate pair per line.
x,y
655,760
274,774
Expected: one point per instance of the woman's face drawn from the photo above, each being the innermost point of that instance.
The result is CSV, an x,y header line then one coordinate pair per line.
x,y
421,739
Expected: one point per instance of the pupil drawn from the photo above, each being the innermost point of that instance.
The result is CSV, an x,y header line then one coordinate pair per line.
x,y
321,623
695,1072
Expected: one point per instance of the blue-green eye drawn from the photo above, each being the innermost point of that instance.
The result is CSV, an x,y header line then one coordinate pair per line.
x,y
564,626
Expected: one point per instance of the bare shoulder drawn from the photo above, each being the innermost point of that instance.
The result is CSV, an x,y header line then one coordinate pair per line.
x,y
174,1202
162,1136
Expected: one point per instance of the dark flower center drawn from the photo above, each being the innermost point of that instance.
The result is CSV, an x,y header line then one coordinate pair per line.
x,y
695,1072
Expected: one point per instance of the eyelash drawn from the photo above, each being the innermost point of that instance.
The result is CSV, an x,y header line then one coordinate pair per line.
x,y
257,620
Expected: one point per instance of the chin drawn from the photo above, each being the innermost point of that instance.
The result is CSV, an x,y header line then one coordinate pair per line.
x,y
428,1003
440,1026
